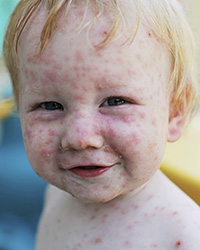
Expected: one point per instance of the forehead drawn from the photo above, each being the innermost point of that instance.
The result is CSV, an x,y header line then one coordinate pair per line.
x,y
81,20
72,43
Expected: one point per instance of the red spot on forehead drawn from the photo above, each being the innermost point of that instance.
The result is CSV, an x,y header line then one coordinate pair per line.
x,y
51,75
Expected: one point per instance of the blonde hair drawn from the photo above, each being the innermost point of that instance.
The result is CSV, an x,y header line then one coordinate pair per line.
x,y
164,17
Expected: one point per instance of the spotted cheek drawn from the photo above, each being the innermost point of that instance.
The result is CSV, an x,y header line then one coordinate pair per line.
x,y
124,136
138,146
41,147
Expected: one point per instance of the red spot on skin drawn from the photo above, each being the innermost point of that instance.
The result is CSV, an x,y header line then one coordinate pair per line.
x,y
178,244
127,244
128,119
107,149
93,217
135,207
32,123
51,75
150,197
29,59
98,240
105,33
153,122
51,132
142,115
124,211
46,153
156,158
96,210
160,208
155,246
138,57
134,139
106,187
149,34
79,56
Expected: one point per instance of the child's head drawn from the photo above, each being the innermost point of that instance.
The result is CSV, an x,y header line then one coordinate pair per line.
x,y
165,18
109,84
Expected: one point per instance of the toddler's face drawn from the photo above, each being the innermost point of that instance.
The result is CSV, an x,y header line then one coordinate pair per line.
x,y
94,121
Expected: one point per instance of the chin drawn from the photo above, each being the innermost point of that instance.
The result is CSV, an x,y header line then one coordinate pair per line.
x,y
96,198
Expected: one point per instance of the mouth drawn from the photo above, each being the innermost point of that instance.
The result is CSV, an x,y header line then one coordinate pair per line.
x,y
89,171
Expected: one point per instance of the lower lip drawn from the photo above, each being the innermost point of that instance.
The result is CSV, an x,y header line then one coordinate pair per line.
x,y
88,173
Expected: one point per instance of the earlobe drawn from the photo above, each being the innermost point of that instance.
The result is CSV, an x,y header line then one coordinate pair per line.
x,y
175,127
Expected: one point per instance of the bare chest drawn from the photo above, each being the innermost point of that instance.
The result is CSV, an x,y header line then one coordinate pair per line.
x,y
119,228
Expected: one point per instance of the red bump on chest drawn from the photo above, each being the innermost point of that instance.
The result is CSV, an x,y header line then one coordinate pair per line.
x,y
178,244
98,240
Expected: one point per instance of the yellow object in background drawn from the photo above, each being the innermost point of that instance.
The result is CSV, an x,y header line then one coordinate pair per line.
x,y
182,161
7,104
6,108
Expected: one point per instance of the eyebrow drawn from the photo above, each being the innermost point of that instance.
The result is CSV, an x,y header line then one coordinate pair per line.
x,y
111,81
106,86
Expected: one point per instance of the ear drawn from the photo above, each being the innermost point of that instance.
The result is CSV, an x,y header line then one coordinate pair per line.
x,y
175,127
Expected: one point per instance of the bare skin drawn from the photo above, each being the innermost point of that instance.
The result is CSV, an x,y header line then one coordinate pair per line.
x,y
158,217
95,124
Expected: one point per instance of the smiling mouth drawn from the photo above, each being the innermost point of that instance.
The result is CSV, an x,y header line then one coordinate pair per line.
x,y
89,171
89,167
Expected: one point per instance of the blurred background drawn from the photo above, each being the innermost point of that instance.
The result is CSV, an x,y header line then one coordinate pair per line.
x,y
22,191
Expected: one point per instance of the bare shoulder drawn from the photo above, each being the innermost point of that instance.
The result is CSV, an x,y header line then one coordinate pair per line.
x,y
54,205
182,214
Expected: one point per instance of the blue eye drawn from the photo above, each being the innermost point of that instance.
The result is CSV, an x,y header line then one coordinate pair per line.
x,y
114,101
51,106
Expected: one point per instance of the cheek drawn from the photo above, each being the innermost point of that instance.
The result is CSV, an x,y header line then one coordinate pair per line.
x,y
40,142
126,131
138,138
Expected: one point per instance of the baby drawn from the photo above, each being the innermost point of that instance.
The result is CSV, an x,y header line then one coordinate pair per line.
x,y
101,86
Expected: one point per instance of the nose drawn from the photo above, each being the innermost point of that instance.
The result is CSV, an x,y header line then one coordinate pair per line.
x,y
80,133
